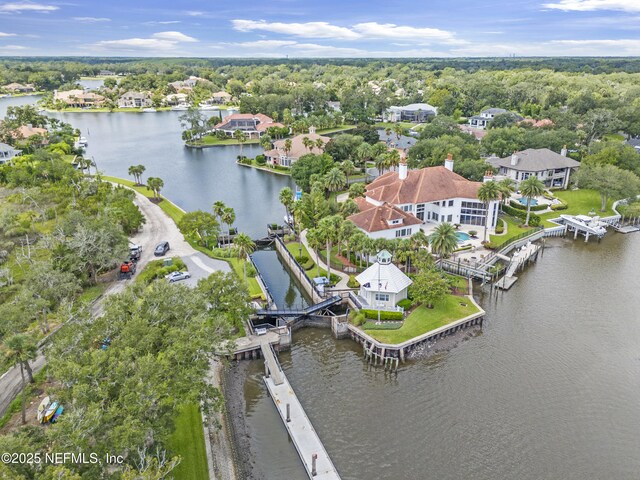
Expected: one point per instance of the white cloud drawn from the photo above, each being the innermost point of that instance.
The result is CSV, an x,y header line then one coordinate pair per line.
x,y
91,19
374,30
614,48
174,37
19,7
590,5
3,34
12,48
306,30
161,41
263,44
192,13
168,22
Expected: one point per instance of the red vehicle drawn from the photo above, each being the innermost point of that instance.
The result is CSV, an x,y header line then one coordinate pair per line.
x,y
127,269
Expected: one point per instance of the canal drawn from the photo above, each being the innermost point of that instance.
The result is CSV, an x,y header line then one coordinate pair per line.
x,y
549,389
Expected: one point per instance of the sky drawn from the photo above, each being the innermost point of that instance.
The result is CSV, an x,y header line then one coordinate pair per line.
x,y
327,28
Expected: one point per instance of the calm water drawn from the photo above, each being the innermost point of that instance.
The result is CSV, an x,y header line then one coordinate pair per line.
x,y
548,390
193,179
6,102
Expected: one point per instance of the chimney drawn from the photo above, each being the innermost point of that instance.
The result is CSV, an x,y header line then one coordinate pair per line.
x,y
563,152
448,163
514,158
402,169
312,130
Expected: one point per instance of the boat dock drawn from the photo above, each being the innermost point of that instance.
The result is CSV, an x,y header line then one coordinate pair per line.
x,y
314,457
517,262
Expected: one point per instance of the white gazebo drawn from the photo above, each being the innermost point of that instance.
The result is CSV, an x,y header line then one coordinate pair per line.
x,y
383,285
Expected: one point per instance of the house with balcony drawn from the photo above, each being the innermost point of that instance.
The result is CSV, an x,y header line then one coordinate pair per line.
x,y
133,99
8,153
430,195
19,88
484,118
413,113
553,169
78,98
253,125
280,156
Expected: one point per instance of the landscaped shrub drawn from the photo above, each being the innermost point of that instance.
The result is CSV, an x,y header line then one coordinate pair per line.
x,y
353,283
384,315
559,206
357,318
534,220
473,233
308,265
534,208
156,269
462,249
244,160
405,303
302,260
261,159
500,228
251,270
490,245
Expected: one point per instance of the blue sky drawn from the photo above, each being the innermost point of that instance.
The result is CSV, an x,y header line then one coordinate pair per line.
x,y
328,28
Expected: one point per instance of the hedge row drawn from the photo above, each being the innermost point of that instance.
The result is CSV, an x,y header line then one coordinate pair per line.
x,y
534,220
534,208
384,315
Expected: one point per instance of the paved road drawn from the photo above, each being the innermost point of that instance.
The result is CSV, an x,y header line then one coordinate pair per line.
x,y
159,227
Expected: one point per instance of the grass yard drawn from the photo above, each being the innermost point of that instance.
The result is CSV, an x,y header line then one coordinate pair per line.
x,y
276,169
209,140
294,248
340,128
580,202
167,206
423,320
513,229
188,441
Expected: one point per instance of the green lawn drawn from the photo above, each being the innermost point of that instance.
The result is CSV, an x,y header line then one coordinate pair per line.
x,y
385,125
105,110
277,169
167,206
513,229
294,248
423,320
461,283
213,140
340,128
580,202
188,441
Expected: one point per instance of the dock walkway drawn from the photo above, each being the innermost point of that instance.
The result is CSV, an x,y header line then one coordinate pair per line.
x,y
314,457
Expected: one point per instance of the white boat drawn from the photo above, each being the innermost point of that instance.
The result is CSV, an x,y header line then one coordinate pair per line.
x,y
208,107
149,110
591,225
83,141
231,111
182,107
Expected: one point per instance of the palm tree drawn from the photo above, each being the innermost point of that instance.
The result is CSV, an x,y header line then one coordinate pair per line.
x,y
348,168
288,145
320,144
245,247
381,163
392,158
443,240
229,217
19,349
265,142
398,130
328,231
334,180
286,199
155,184
241,137
308,143
315,242
507,187
530,188
487,193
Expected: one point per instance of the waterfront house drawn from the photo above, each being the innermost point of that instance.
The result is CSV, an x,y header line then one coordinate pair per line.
x,y
26,132
553,169
188,84
414,113
220,98
19,88
484,118
279,156
175,99
253,125
7,153
384,221
133,99
78,98
382,285
432,195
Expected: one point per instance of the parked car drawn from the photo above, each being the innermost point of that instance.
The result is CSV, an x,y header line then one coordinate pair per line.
x,y
177,276
161,249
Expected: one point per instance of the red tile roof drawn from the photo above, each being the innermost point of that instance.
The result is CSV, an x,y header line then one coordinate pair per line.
x,y
425,185
262,121
372,218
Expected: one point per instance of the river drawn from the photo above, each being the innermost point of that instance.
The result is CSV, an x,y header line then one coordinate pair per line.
x,y
549,389
193,178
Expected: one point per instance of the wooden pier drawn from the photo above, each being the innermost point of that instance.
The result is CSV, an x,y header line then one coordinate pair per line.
x,y
314,457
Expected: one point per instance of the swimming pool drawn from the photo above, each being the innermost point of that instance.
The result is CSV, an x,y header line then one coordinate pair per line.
x,y
523,201
462,237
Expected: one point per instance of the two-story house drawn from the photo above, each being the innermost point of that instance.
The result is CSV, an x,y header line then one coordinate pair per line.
x,y
252,125
553,169
284,157
8,153
414,113
133,99
484,118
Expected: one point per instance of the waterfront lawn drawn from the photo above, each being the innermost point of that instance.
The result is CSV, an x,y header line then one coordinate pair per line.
x,y
294,249
214,140
271,169
423,320
187,441
579,202
171,209
513,229
458,282
339,128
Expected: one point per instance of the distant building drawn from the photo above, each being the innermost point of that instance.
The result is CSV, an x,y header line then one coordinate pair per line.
x,y
19,88
8,153
635,143
133,99
175,99
485,117
188,84
219,97
252,125
78,98
335,106
278,155
382,285
25,132
478,133
553,169
414,113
